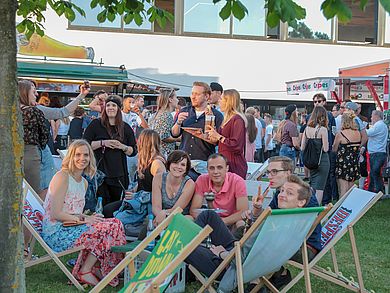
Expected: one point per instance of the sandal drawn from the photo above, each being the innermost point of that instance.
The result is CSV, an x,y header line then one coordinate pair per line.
x,y
81,278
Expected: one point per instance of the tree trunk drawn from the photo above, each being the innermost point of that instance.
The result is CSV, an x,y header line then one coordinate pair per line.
x,y
11,151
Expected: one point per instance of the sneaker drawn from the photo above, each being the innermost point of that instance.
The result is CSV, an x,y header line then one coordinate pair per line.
x,y
279,280
72,262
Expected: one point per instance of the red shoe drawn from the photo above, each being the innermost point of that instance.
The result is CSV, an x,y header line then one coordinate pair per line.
x,y
88,278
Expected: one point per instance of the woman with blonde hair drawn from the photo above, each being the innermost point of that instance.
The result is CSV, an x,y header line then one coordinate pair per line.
x,y
64,225
317,129
347,145
162,122
150,163
231,136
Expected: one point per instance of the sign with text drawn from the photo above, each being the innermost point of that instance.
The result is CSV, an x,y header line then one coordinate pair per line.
x,y
345,214
178,234
310,85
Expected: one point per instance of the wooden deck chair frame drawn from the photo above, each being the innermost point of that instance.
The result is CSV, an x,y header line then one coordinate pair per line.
x,y
50,254
130,257
336,277
236,253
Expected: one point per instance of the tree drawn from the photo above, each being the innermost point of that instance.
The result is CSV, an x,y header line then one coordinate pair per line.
x,y
302,31
11,144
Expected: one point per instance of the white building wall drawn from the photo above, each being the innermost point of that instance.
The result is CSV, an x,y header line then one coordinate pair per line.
x,y
259,69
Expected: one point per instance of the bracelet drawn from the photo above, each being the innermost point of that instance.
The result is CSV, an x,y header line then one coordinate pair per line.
x,y
126,149
101,143
178,124
221,138
219,254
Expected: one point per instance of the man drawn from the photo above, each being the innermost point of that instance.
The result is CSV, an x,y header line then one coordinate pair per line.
x,y
338,119
259,154
98,101
376,146
330,190
216,95
131,114
229,191
139,102
268,142
336,111
359,114
294,193
194,116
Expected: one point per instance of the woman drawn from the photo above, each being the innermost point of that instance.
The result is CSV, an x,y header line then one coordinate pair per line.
x,y
111,140
60,133
289,133
163,121
231,136
35,135
64,204
250,146
150,163
317,128
174,188
347,145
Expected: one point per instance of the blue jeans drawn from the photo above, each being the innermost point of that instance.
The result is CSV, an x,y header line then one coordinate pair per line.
x,y
377,161
287,151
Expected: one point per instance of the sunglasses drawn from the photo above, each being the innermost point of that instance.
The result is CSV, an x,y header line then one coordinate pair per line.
x,y
317,101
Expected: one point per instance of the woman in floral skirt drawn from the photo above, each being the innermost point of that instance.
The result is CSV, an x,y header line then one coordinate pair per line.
x,y
64,204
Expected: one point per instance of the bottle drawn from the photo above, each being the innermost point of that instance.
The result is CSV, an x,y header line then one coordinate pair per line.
x,y
149,230
99,206
209,118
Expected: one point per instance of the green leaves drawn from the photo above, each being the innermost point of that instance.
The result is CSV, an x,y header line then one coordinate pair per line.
x,y
285,11
332,8
234,7
385,4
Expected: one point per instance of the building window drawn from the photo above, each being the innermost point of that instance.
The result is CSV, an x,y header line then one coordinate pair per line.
x,y
90,16
168,5
253,23
315,26
202,16
363,26
387,28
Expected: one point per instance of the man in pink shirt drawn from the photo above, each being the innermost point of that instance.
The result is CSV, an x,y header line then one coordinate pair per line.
x,y
229,190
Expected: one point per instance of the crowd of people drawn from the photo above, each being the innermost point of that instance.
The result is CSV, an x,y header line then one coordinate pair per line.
x,y
146,162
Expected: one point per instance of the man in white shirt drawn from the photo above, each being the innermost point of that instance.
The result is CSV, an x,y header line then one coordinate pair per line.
x,y
376,146
268,142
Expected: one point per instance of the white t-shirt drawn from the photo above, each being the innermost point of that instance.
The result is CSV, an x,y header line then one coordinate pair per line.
x,y
132,119
269,131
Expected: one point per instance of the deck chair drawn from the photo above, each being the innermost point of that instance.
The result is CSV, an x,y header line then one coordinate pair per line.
x,y
256,170
252,188
269,243
33,212
180,238
340,220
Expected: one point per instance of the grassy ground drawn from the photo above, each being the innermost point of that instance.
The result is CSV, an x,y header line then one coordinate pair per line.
x,y
372,237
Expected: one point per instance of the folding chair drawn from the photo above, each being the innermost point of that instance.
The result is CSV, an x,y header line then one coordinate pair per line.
x,y
180,238
256,170
340,220
268,244
33,212
252,189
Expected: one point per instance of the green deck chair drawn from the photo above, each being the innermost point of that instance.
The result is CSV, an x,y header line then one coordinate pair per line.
x,y
180,238
270,242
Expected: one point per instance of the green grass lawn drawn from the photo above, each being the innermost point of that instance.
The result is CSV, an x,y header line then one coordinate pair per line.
x,y
372,237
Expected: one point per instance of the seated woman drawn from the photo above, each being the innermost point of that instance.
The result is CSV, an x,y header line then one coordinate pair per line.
x,y
174,188
150,163
65,202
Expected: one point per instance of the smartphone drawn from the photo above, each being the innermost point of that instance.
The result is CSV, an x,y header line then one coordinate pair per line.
x,y
86,84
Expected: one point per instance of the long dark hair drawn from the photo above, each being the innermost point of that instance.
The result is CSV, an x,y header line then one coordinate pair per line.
x,y
252,129
118,132
319,116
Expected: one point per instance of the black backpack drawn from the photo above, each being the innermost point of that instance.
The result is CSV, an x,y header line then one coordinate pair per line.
x,y
313,152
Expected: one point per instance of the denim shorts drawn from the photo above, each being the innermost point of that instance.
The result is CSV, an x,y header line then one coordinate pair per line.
x,y
287,151
47,167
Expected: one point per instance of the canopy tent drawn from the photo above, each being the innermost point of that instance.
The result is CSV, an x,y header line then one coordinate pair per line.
x,y
363,82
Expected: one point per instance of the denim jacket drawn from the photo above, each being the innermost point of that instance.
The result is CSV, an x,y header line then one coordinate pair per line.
x,y
135,210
